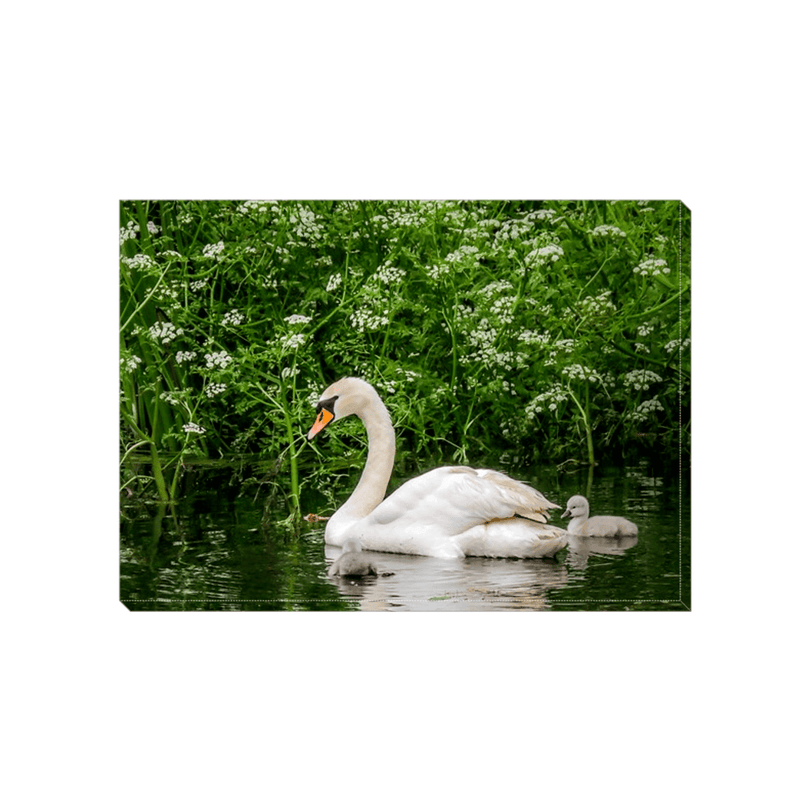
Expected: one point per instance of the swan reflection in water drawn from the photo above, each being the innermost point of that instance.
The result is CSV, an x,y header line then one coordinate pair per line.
x,y
579,548
420,583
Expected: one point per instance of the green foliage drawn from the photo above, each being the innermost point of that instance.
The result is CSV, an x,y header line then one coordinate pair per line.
x,y
558,330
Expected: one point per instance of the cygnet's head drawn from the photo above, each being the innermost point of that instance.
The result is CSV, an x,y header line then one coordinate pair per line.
x,y
351,546
577,506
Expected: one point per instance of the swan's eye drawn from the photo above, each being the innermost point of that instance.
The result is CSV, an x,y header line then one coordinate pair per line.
x,y
327,404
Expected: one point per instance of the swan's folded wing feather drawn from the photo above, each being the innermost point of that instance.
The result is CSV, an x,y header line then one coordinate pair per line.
x,y
457,498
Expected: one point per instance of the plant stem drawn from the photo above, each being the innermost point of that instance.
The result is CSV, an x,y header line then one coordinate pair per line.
x,y
584,412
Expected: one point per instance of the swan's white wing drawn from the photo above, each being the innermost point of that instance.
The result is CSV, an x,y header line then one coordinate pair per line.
x,y
425,513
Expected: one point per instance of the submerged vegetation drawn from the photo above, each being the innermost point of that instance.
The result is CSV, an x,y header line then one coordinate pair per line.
x,y
556,330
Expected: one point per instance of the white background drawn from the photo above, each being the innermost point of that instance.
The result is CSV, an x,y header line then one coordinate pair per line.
x,y
693,101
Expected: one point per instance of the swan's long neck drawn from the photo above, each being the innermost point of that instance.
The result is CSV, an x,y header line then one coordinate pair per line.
x,y
371,488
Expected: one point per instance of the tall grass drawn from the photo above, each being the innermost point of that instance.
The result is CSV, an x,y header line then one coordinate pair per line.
x,y
557,330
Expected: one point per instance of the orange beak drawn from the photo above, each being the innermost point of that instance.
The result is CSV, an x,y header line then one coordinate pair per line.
x,y
323,418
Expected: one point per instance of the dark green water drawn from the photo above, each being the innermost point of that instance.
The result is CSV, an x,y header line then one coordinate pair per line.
x,y
211,553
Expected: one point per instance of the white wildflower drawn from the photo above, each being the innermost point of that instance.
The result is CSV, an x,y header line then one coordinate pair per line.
x,y
579,372
257,206
130,363
608,230
389,274
130,231
153,228
294,341
368,319
640,379
652,266
214,389
437,271
193,427
503,309
496,287
196,285
297,319
213,250
164,331
233,317
550,399
185,355
333,282
540,255
599,305
670,346
646,409
529,337
218,360
139,261
645,330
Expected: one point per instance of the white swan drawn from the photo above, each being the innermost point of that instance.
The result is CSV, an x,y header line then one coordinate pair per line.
x,y
581,524
449,512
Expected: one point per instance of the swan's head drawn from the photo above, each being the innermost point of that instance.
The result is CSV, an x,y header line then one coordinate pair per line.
x,y
577,507
346,396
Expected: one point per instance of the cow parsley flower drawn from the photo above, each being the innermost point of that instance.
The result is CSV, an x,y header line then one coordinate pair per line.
x,y
218,360
233,317
297,319
579,372
333,282
683,344
185,355
646,409
214,389
130,363
164,331
599,305
140,261
539,256
551,399
529,337
640,379
213,250
437,271
130,231
193,427
652,266
503,310
608,230
368,319
389,274
294,341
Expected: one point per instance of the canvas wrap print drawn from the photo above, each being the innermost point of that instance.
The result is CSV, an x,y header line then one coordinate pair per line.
x,y
405,405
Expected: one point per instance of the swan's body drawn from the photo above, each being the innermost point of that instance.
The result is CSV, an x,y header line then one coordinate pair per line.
x,y
581,524
351,563
449,512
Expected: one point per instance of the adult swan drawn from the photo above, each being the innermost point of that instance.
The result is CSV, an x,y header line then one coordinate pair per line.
x,y
449,512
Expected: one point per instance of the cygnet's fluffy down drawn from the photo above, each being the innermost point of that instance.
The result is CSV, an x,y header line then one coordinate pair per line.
x,y
581,524
352,563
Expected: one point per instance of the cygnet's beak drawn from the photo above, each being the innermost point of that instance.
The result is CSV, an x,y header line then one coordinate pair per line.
x,y
566,514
